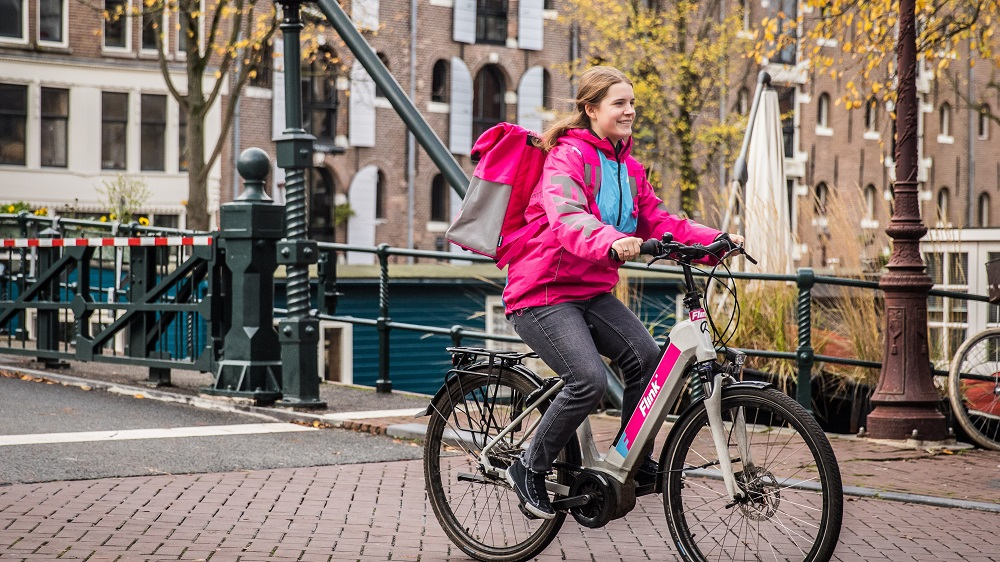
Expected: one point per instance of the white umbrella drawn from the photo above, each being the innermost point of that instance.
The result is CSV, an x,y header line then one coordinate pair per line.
x,y
766,224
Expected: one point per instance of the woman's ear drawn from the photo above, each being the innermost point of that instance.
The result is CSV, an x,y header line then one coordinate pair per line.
x,y
590,110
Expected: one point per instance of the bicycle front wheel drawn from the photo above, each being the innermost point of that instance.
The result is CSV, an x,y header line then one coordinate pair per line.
x,y
974,388
479,511
793,500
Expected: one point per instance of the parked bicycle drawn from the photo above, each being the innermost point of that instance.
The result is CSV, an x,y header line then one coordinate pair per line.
x,y
974,378
745,472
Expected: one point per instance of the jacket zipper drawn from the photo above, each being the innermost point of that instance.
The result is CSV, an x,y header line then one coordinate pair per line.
x,y
621,194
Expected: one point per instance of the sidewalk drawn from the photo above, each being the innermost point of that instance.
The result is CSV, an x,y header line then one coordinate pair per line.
x,y
968,478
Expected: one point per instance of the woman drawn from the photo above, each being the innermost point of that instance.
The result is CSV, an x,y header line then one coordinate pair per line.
x,y
558,294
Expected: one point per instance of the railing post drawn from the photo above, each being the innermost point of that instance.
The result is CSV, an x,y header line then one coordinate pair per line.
x,y
249,230
456,335
142,278
804,354
48,319
299,331
383,385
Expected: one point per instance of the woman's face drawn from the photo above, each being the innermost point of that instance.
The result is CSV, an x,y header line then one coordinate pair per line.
x,y
612,118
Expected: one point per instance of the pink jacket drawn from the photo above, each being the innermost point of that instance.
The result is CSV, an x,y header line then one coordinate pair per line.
x,y
568,259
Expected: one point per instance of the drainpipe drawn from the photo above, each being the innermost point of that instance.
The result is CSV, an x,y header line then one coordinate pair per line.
x,y
411,148
970,205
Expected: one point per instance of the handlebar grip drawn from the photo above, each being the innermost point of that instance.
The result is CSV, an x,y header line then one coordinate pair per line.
x,y
651,248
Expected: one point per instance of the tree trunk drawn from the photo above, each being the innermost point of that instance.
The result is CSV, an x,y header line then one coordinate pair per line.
x,y
197,203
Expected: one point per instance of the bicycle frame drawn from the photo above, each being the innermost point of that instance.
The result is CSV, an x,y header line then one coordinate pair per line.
x,y
690,345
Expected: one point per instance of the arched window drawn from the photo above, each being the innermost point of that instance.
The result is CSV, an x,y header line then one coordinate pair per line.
x,y
944,120
488,107
984,121
380,195
439,81
743,101
379,93
871,115
823,111
820,202
439,199
942,207
547,90
870,202
890,196
983,210
320,190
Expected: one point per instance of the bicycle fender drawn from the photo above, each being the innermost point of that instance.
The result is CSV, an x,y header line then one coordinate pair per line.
x,y
454,374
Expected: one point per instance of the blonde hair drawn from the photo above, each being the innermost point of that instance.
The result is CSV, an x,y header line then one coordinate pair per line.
x,y
594,85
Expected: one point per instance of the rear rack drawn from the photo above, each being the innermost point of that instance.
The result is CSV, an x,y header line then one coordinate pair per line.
x,y
503,357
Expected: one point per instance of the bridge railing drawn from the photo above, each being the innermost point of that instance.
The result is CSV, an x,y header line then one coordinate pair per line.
x,y
116,293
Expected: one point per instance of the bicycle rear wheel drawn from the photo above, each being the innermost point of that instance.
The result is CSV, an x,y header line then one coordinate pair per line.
x,y
794,506
478,511
974,388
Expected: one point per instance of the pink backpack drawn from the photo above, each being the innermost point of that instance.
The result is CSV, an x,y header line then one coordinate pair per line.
x,y
491,221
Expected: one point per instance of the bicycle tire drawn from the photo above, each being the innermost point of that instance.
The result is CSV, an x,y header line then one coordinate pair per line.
x,y
482,517
797,501
974,388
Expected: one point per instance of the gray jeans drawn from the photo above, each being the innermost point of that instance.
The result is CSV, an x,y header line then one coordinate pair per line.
x,y
561,335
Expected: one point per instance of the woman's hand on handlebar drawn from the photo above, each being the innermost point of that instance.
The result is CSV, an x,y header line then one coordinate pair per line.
x,y
737,239
625,249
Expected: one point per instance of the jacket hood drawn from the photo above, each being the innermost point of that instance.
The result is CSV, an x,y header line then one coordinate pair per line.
x,y
604,145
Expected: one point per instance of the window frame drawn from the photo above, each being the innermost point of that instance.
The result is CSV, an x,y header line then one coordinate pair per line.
x,y
63,25
480,123
823,115
983,210
15,115
164,23
983,130
23,38
311,105
380,195
942,204
126,23
440,83
106,122
58,118
489,14
944,124
153,129
439,199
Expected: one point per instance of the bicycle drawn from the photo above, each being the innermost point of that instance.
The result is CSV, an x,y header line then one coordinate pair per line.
x,y
974,378
745,471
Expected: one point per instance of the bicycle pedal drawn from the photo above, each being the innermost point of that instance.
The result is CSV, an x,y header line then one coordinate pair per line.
x,y
527,514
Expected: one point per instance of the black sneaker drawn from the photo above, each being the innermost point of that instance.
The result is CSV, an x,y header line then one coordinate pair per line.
x,y
647,474
530,489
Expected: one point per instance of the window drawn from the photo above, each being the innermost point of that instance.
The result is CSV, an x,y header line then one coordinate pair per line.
x,y
547,102
743,101
786,105
488,107
983,210
114,124
944,120
55,120
745,11
153,132
150,26
319,96
871,115
320,189
385,61
182,149
187,28
51,21
12,14
984,121
870,202
13,123
439,199
942,207
820,202
116,24
823,111
947,319
491,22
786,14
260,73
380,195
439,81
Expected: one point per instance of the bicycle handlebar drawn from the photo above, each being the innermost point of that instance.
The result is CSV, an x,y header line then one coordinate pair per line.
x,y
667,248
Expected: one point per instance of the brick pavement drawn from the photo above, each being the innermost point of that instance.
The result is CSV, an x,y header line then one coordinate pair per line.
x,y
378,512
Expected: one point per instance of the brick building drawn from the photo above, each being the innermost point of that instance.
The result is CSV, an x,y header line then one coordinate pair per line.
x,y
83,101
